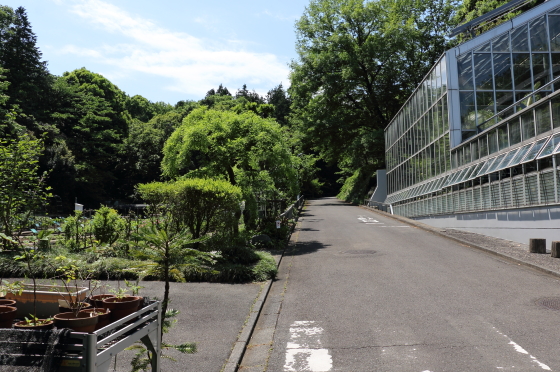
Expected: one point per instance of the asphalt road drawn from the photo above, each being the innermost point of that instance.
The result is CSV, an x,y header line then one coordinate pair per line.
x,y
358,291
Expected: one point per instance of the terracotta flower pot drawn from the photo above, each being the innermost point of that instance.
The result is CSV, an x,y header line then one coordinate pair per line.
x,y
121,307
4,302
7,316
83,322
24,325
98,299
104,316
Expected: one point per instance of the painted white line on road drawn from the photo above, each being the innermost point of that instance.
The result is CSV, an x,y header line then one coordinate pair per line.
x,y
304,351
521,350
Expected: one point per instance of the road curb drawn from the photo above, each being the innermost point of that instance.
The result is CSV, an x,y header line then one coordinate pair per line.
x,y
437,231
240,345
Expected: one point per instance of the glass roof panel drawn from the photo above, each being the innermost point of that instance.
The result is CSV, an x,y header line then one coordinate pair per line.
x,y
507,159
532,154
465,176
475,171
550,146
496,163
485,167
460,176
520,155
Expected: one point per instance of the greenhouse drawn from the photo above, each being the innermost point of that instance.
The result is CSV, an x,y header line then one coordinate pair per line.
x,y
481,133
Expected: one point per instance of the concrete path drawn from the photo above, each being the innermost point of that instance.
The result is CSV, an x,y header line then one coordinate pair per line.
x,y
359,291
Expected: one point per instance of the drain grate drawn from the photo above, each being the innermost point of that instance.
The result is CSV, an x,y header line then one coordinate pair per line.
x,y
359,251
549,302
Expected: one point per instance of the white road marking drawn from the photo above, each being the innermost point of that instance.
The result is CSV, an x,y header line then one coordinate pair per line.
x,y
521,350
304,351
369,220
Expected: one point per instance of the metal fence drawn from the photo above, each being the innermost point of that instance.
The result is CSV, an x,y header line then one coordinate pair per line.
x,y
378,205
289,213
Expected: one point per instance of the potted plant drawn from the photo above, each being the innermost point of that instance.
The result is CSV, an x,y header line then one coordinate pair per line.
x,y
8,308
73,316
28,256
123,304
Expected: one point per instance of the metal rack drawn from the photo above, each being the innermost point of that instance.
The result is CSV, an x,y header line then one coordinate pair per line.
x,y
92,352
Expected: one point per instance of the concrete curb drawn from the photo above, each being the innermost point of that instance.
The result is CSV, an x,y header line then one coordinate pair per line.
x,y
438,231
240,345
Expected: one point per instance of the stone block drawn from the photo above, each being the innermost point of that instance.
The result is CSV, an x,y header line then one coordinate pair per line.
x,y
537,245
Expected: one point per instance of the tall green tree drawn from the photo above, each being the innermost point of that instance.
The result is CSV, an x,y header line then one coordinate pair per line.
x,y
28,75
280,99
91,113
358,63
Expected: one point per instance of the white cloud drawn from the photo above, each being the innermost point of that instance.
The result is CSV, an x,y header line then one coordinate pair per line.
x,y
193,65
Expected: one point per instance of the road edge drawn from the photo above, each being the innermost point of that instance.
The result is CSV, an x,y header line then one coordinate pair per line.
x,y
238,351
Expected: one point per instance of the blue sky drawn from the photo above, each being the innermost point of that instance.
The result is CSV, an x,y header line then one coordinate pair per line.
x,y
169,50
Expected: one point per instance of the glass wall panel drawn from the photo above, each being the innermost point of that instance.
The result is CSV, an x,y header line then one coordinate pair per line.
x,y
483,48
443,75
541,69
519,40
554,31
464,66
522,71
474,150
483,71
503,140
555,57
503,101
447,152
445,114
555,102
502,71
485,109
501,43
483,146
468,112
514,131
539,36
542,118
527,125
467,154
493,142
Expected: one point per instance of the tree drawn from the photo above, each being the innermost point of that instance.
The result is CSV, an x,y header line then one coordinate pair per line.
x,y
249,96
243,148
22,188
144,146
91,113
28,75
279,98
358,63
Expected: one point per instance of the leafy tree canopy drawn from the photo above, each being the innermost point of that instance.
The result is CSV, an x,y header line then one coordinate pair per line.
x,y
243,148
358,63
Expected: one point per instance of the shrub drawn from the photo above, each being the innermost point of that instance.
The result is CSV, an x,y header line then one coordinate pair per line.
x,y
107,225
201,205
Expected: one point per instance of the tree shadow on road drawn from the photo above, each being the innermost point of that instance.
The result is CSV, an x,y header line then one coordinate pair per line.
x,y
301,248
